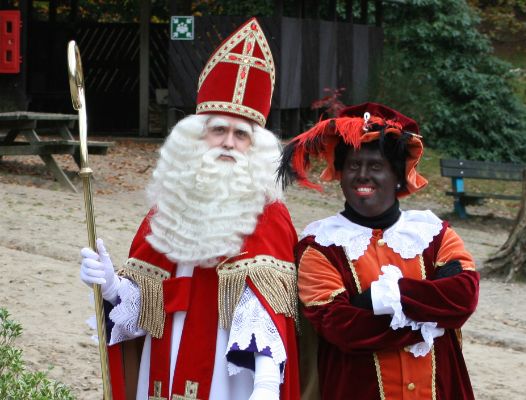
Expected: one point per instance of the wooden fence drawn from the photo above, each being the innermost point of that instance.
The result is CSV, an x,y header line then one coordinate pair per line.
x,y
110,56
310,55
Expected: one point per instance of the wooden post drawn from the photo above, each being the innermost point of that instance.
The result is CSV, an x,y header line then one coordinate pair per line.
x,y
144,68
24,19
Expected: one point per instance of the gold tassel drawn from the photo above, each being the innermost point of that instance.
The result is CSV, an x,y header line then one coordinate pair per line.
x,y
149,278
231,287
275,279
280,290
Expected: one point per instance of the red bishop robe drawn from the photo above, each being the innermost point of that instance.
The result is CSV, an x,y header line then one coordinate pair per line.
x,y
265,265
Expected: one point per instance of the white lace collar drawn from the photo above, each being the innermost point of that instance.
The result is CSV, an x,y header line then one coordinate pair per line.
x,y
409,236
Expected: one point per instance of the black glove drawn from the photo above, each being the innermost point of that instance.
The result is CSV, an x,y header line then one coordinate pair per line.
x,y
447,270
363,300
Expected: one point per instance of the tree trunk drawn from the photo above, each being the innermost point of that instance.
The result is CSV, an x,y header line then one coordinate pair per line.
x,y
510,261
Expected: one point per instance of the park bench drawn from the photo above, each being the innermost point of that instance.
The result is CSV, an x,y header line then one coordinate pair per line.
x,y
457,170
38,131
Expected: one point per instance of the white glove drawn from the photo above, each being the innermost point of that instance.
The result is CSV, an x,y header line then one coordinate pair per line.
x,y
98,269
266,379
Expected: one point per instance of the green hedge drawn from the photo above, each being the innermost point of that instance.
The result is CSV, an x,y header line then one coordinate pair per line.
x,y
16,383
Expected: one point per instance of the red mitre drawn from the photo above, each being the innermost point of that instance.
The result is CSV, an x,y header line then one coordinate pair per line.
x,y
354,125
238,79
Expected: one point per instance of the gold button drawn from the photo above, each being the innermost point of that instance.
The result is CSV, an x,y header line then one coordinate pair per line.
x,y
411,386
381,242
407,349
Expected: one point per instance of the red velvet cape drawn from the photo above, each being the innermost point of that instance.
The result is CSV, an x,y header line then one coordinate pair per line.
x,y
274,235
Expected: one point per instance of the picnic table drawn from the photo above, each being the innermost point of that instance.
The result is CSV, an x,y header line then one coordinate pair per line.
x,y
35,128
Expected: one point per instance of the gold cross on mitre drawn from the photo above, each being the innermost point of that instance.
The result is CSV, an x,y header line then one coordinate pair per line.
x,y
190,392
157,391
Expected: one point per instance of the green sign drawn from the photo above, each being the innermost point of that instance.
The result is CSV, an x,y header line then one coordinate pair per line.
x,y
182,27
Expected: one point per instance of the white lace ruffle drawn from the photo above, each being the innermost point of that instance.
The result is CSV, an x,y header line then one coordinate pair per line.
x,y
429,332
125,315
409,236
412,233
251,318
339,231
385,296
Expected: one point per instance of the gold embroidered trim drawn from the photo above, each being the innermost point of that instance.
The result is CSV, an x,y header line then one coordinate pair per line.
x,y
422,266
274,278
329,300
243,71
224,106
458,334
251,61
433,374
157,387
379,376
224,51
146,269
190,392
353,270
150,279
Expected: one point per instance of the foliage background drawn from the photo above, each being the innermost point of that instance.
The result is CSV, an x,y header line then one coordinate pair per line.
x,y
440,69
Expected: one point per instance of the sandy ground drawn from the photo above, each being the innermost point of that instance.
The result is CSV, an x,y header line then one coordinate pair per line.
x,y
42,230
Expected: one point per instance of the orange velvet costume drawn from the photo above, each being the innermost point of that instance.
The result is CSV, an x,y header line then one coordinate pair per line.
x,y
360,356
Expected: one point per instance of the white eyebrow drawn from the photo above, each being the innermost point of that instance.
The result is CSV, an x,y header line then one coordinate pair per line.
x,y
243,126
216,122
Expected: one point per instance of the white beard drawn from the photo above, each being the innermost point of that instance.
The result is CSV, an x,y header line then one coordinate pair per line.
x,y
206,206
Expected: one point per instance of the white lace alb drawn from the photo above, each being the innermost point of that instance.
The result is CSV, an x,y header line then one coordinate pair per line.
x,y
125,315
251,319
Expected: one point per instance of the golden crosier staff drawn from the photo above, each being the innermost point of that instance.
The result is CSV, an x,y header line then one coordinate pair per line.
x,y
76,85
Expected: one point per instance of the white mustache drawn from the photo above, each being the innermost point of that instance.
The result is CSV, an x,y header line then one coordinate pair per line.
x,y
212,155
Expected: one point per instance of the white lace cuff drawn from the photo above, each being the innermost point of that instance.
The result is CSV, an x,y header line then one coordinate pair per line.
x,y
125,315
429,332
252,321
385,296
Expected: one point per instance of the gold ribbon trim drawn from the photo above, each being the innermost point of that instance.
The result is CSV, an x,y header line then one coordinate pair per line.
x,y
150,279
275,279
329,300
225,106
